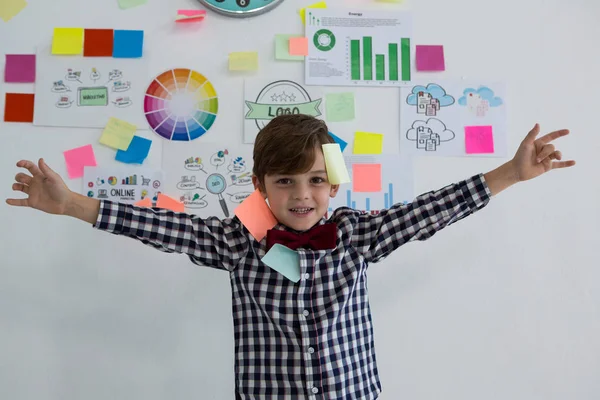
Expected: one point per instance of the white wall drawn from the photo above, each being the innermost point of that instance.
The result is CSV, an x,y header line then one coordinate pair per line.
x,y
504,304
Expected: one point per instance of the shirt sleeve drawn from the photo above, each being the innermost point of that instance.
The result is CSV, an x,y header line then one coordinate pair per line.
x,y
376,236
211,242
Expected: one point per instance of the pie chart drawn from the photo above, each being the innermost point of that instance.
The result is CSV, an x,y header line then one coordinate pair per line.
x,y
181,104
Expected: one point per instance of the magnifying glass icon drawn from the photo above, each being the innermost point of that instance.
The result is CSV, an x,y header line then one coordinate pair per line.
x,y
215,184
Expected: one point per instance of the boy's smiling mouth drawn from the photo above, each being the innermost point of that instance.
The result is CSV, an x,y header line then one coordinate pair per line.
x,y
301,210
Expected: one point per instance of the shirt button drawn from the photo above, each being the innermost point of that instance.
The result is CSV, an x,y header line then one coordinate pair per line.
x,y
314,390
306,276
311,350
305,313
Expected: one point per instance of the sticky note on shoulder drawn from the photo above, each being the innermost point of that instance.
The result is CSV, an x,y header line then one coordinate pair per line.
x,y
243,61
255,215
169,203
283,260
335,165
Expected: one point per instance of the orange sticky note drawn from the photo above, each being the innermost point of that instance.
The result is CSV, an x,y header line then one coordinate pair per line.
x,y
78,158
366,177
298,46
255,214
169,203
18,107
144,203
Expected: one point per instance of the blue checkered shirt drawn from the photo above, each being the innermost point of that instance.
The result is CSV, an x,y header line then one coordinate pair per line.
x,y
312,339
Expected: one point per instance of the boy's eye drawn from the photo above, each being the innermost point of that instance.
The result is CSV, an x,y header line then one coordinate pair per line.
x,y
284,181
318,180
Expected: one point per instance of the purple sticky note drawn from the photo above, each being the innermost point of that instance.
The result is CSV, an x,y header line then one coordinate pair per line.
x,y
430,58
479,139
20,68
78,158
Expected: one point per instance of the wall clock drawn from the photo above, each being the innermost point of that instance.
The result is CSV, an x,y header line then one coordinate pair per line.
x,y
240,8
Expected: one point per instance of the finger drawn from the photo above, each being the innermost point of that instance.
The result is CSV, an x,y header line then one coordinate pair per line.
x,y
563,164
553,136
17,202
23,178
533,133
545,152
33,169
19,187
46,170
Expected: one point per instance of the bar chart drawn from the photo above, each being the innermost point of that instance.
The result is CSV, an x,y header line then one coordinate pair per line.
x,y
361,60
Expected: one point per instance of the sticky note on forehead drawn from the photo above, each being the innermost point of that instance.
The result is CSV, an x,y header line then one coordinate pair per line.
x,y
255,215
337,172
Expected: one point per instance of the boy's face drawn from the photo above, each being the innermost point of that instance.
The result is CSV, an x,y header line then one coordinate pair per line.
x,y
299,201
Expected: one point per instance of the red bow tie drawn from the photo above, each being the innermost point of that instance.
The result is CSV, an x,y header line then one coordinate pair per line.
x,y
321,237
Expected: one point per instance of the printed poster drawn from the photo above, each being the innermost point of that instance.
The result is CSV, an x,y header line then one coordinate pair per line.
x,y
453,118
209,179
122,184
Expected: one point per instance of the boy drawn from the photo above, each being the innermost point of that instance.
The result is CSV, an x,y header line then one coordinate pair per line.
x,y
314,338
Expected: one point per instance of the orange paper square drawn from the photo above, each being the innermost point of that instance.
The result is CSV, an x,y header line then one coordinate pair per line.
x,y
366,177
298,46
169,203
255,214
18,107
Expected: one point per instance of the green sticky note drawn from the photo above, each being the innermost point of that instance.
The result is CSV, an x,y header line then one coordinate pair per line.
x,y
283,260
368,143
125,4
340,106
282,48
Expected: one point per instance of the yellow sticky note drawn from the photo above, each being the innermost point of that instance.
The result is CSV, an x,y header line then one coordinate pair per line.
x,y
368,143
320,4
243,61
334,164
118,134
10,8
67,41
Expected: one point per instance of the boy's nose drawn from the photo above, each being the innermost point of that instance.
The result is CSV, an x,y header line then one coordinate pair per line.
x,y
301,192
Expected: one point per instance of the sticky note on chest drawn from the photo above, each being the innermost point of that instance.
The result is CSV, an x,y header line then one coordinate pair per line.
x,y
283,260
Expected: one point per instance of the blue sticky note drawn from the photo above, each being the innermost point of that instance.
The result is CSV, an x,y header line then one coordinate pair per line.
x,y
128,44
283,260
137,151
339,141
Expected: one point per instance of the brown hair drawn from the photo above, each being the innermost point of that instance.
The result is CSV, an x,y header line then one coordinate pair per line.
x,y
287,145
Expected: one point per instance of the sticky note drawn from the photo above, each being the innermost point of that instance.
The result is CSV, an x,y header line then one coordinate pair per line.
x,y
128,44
390,1
298,46
118,134
368,143
18,107
366,177
185,16
283,260
67,41
339,141
479,139
282,48
255,215
10,8
335,165
169,203
144,203
78,158
302,12
137,151
20,68
340,106
98,43
430,58
125,4
243,61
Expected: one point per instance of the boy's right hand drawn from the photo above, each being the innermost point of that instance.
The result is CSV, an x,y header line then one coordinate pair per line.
x,y
45,188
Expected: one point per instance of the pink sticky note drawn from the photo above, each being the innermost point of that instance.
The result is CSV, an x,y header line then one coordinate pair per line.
x,y
20,68
169,203
366,177
78,158
430,58
190,15
298,46
479,139
255,214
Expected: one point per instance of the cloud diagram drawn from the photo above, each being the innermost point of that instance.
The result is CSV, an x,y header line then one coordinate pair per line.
x,y
479,101
429,99
428,135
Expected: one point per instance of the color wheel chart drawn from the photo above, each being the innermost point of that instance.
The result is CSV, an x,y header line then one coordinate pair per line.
x,y
181,104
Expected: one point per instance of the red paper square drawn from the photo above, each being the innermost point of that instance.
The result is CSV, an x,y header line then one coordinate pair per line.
x,y
98,43
18,107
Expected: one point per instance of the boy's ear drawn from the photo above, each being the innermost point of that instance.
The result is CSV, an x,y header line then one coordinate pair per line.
x,y
259,186
334,190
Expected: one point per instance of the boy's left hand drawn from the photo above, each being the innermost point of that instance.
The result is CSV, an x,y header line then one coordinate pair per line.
x,y
538,156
